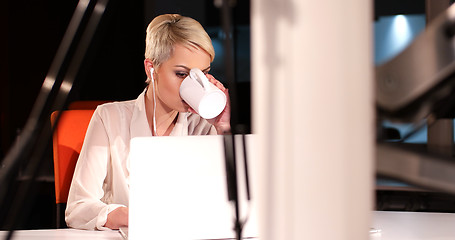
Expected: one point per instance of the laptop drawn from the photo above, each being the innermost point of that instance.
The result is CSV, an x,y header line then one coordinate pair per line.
x,y
178,190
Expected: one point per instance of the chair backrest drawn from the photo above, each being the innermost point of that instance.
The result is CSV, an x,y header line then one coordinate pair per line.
x,y
86,104
68,137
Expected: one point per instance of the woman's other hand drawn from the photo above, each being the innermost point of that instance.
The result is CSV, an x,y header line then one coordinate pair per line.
x,y
221,122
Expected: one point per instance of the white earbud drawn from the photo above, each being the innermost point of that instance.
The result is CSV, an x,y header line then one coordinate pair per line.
x,y
151,73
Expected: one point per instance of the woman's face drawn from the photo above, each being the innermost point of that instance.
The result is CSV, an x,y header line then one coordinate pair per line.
x,y
170,74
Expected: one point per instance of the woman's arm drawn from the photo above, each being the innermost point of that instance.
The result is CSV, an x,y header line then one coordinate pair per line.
x,y
85,208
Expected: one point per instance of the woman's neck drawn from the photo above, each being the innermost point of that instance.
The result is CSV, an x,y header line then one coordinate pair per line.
x,y
165,117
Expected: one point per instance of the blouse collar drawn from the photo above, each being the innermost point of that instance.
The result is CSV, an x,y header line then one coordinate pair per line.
x,y
139,126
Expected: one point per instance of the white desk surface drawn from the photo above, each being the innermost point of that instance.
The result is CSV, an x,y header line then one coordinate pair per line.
x,y
393,226
63,234
413,226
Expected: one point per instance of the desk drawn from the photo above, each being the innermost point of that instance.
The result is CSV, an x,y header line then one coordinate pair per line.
x,y
63,234
413,226
393,226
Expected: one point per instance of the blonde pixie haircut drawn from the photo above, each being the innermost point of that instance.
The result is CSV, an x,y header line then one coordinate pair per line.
x,y
169,29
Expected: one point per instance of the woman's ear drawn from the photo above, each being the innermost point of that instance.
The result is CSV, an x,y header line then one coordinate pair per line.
x,y
148,65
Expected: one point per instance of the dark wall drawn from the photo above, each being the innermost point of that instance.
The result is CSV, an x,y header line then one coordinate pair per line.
x,y
114,68
31,33
394,7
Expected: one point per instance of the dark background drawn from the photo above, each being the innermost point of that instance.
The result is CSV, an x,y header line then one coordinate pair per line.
x,y
31,32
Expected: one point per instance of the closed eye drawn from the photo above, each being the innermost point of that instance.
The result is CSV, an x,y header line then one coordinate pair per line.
x,y
181,74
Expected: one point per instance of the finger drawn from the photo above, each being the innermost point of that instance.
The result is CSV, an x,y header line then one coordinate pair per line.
x,y
212,79
220,86
217,83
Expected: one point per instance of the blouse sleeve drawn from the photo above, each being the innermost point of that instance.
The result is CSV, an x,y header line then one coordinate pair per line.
x,y
85,208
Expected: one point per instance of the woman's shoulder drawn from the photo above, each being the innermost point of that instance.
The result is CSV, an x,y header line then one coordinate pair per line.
x,y
117,106
123,107
115,109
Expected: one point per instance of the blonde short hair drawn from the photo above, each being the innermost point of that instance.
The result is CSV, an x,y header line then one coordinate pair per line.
x,y
166,30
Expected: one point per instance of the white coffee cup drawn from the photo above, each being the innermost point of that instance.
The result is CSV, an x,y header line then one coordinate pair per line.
x,y
202,95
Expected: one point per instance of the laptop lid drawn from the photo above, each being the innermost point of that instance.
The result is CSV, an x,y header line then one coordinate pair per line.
x,y
178,190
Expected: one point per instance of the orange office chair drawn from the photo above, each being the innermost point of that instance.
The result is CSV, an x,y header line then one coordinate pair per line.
x,y
67,141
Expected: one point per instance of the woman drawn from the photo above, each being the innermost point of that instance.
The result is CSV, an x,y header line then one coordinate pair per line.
x,y
98,197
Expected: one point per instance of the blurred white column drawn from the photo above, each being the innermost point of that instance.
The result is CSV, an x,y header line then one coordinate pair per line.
x,y
313,112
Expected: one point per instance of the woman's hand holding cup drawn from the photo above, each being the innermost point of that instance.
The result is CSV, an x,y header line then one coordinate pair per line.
x,y
207,97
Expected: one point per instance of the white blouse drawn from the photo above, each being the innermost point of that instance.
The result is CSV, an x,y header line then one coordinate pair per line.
x,y
101,179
